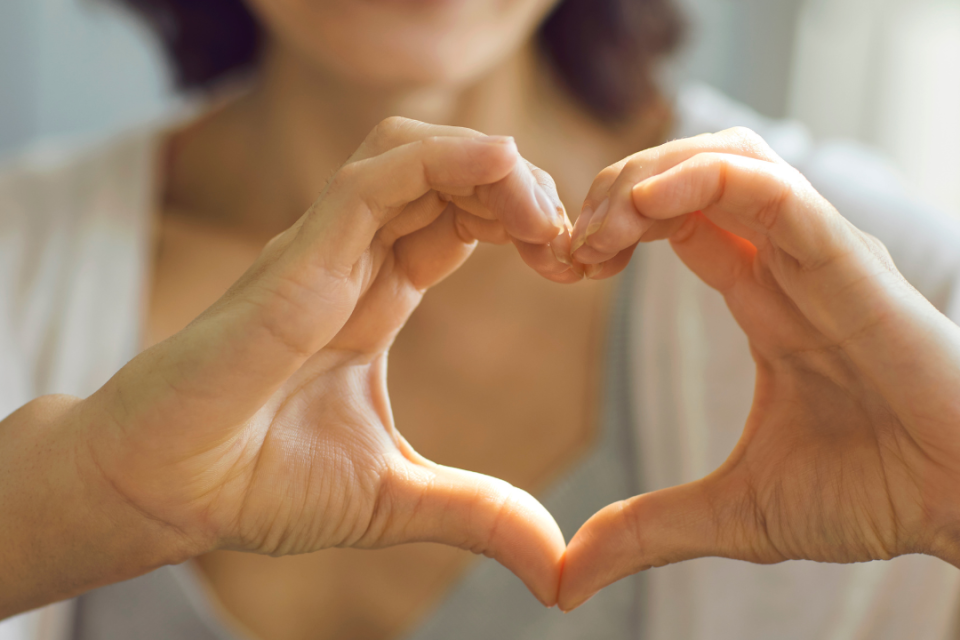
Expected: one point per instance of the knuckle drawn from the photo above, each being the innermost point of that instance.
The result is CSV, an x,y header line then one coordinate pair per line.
x,y
744,134
429,142
636,162
277,245
387,133
749,140
709,158
877,248
769,211
542,177
629,513
390,126
501,516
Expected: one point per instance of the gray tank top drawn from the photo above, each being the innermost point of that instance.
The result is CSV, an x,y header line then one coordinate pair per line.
x,y
488,603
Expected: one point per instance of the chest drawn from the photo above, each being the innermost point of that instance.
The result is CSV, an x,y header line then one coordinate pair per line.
x,y
496,372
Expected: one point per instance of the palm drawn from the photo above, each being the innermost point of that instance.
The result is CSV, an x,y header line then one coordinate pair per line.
x,y
810,477
284,503
849,451
825,469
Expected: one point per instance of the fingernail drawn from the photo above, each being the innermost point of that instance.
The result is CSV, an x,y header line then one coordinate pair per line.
x,y
599,217
551,209
558,251
579,237
591,270
579,242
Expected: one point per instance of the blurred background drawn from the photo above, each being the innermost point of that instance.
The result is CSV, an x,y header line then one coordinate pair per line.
x,y
884,72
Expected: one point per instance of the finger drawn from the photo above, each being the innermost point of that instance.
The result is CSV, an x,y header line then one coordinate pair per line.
x,y
330,240
550,261
593,259
288,309
423,259
525,201
431,254
770,202
397,131
717,257
650,162
424,502
611,267
652,530
589,255
561,245
507,201
434,252
612,207
486,231
595,197
837,280
366,194
662,229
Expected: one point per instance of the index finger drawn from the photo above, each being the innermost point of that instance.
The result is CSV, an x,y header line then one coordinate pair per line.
x,y
757,200
525,188
609,222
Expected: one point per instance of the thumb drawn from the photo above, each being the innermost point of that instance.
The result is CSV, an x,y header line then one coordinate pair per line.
x,y
647,531
425,502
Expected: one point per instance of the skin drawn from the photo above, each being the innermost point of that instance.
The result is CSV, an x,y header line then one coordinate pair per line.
x,y
851,450
490,331
189,448
241,174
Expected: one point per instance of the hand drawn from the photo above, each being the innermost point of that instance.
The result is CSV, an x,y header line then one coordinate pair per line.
x,y
851,451
265,425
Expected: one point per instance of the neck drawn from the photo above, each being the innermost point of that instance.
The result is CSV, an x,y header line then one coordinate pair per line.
x,y
294,93
284,137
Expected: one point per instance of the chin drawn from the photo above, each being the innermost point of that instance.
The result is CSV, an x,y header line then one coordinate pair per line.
x,y
395,43
399,61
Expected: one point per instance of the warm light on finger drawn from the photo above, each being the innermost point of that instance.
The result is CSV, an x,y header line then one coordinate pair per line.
x,y
771,201
431,503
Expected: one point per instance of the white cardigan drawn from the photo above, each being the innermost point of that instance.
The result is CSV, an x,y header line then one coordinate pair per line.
x,y
73,245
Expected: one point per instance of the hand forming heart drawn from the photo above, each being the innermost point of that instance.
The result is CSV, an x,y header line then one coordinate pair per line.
x,y
265,425
851,451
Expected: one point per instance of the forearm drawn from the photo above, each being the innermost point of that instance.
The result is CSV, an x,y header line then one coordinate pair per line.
x,y
63,528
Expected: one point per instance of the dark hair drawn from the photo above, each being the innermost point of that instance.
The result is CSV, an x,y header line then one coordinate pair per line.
x,y
605,50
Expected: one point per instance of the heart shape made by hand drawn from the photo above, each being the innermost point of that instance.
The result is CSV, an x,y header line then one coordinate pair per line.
x,y
847,454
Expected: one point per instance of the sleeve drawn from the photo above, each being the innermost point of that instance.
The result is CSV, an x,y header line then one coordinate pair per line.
x,y
22,305
74,252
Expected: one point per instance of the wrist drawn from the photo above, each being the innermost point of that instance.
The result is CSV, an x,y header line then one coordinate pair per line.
x,y
65,528
104,465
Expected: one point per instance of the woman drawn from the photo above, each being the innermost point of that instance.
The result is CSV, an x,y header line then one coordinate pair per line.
x,y
492,371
